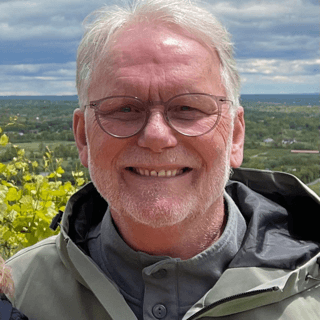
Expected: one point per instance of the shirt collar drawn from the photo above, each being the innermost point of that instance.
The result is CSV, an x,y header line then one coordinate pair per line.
x,y
130,269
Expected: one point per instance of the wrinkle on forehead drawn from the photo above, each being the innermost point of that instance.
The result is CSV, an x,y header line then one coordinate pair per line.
x,y
157,51
156,44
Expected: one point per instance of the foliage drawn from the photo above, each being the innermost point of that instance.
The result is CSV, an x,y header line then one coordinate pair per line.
x,y
304,166
29,200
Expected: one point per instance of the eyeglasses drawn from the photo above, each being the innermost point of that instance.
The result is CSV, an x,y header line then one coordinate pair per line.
x,y
191,114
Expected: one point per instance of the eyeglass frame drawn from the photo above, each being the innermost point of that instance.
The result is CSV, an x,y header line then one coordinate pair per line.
x,y
218,99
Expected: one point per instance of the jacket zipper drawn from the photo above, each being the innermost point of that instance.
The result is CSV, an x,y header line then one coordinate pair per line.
x,y
234,297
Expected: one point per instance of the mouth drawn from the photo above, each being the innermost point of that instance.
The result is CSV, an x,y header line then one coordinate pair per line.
x,y
159,173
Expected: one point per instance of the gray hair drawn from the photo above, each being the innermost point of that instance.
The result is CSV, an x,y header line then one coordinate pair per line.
x,y
102,24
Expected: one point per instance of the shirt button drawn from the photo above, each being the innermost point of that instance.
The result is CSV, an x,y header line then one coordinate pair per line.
x,y
159,311
160,274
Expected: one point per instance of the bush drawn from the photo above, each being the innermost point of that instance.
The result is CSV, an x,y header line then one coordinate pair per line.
x,y
29,201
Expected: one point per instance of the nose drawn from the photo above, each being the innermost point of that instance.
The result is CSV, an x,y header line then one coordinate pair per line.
x,y
157,134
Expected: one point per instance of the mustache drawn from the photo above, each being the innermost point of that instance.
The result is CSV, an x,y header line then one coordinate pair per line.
x,y
176,156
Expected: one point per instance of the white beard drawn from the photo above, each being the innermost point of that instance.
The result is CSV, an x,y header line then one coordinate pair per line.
x,y
159,211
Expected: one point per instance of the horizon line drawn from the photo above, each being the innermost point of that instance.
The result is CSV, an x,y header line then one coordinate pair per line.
x,y
75,95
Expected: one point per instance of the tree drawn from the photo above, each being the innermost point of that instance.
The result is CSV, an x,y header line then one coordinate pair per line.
x,y
29,201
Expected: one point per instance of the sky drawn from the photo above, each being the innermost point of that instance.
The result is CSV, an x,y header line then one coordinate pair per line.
x,y
276,44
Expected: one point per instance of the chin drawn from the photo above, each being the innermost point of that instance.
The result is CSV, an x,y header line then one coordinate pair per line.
x,y
159,208
158,213
153,210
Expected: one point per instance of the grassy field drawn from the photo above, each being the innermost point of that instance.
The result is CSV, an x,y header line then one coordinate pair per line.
x,y
266,152
34,146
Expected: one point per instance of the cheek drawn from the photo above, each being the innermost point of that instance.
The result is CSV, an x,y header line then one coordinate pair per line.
x,y
98,145
224,131
213,149
210,151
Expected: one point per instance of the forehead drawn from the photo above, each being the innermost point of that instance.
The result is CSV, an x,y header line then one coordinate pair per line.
x,y
155,43
155,54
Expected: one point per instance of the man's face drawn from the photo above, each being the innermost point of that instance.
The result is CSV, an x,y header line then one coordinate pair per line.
x,y
155,63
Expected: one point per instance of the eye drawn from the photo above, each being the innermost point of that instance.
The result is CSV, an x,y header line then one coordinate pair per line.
x,y
185,108
185,112
120,109
126,109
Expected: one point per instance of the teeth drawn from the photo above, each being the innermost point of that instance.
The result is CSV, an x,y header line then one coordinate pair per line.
x,y
161,173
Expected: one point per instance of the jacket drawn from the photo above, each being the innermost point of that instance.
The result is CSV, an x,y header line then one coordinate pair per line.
x,y
275,274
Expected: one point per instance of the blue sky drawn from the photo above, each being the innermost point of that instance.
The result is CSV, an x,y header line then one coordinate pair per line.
x,y
276,43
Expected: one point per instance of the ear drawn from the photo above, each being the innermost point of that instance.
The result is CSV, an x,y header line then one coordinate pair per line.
x,y
236,156
79,132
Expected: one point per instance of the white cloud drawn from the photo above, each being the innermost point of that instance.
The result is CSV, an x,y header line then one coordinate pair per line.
x,y
25,68
62,18
276,42
277,66
20,93
41,19
49,79
66,69
271,28
279,75
285,79
45,78
41,31
264,10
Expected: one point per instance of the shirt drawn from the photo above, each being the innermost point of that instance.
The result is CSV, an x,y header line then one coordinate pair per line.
x,y
160,286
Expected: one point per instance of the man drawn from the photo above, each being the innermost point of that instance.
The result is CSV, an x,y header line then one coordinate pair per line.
x,y
160,233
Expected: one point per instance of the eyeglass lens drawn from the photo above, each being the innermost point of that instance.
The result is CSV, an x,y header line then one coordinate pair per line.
x,y
189,114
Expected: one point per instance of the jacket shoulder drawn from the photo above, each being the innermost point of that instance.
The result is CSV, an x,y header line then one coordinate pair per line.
x,y
23,258
31,267
46,289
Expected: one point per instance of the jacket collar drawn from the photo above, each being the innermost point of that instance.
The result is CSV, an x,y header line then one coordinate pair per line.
x,y
272,203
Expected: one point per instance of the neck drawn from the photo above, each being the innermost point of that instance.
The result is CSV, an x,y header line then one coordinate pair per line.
x,y
183,241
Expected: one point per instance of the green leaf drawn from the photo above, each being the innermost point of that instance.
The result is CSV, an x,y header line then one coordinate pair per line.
x,y
60,170
4,140
35,164
6,235
80,181
13,194
27,177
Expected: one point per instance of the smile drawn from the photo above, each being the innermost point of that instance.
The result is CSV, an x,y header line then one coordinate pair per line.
x,y
160,174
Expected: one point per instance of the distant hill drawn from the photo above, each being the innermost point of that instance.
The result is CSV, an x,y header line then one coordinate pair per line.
x,y
288,99
295,99
51,98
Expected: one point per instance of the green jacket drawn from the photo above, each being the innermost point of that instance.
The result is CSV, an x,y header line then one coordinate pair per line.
x,y
275,274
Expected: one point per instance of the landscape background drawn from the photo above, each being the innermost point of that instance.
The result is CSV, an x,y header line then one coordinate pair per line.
x,y
276,48
275,125
277,53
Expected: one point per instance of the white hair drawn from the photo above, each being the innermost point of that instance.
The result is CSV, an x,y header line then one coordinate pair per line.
x,y
102,24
